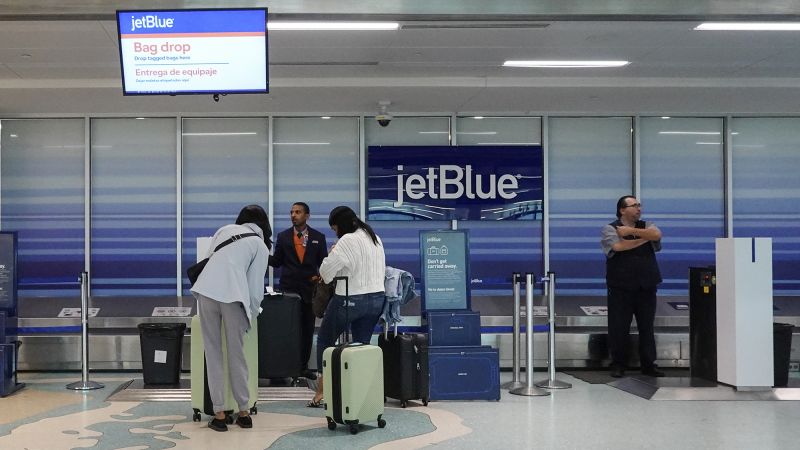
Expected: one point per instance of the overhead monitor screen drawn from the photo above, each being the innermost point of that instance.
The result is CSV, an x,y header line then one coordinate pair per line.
x,y
202,51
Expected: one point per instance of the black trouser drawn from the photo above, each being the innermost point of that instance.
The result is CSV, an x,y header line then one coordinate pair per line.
x,y
623,305
308,322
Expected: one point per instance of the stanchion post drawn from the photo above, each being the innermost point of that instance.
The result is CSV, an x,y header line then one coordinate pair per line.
x,y
515,383
529,389
84,384
551,382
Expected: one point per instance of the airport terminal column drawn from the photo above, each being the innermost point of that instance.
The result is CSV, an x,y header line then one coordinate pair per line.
x,y
515,383
551,383
529,389
84,384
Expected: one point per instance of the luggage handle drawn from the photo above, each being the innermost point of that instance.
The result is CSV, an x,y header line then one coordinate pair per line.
x,y
347,336
386,329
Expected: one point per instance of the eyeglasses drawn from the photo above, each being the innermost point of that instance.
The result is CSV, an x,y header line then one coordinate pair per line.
x,y
635,205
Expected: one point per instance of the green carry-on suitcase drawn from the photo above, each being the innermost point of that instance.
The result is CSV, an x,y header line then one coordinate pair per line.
x,y
353,387
201,400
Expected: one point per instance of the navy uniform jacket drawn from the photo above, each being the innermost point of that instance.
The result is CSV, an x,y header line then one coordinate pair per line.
x,y
295,277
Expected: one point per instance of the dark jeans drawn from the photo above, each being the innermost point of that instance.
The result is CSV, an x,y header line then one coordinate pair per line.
x,y
362,315
623,305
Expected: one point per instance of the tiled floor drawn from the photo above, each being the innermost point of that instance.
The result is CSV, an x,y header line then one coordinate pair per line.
x,y
46,416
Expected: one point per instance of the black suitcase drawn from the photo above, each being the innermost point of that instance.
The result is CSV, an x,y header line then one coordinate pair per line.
x,y
405,366
280,337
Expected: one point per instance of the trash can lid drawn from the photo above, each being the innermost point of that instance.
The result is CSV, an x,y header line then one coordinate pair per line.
x,y
162,326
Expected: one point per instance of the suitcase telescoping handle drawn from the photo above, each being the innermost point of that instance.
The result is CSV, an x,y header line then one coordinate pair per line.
x,y
386,329
347,336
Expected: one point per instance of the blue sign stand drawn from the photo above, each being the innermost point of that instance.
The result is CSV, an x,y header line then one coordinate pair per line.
x,y
8,314
445,270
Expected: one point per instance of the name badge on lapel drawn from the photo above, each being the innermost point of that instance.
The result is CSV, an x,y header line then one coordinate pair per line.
x,y
315,242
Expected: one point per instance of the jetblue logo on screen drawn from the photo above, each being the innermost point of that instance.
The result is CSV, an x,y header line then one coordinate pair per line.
x,y
453,182
148,21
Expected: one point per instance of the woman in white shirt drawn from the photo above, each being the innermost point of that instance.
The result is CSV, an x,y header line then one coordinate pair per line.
x,y
230,289
357,255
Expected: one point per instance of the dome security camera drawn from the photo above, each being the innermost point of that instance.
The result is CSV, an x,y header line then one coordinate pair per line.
x,y
383,119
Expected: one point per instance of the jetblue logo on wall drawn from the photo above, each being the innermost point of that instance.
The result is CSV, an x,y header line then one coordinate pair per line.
x,y
455,182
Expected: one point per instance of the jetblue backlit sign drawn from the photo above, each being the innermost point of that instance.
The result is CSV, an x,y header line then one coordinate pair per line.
x,y
455,182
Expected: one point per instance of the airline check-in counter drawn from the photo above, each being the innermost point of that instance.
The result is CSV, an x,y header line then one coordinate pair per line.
x,y
49,329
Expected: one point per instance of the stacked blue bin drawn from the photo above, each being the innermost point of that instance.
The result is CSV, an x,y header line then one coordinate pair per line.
x,y
460,367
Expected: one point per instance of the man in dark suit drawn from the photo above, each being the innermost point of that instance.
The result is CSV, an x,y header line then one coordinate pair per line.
x,y
299,252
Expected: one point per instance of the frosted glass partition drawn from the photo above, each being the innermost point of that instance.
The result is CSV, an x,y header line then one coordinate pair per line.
x,y
590,167
225,167
479,130
316,162
683,192
134,183
401,238
766,192
408,131
498,248
42,199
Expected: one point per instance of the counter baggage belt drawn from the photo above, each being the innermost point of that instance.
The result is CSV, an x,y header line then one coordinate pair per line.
x,y
53,343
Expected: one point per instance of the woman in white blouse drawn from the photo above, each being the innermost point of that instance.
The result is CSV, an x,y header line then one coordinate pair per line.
x,y
357,255
230,290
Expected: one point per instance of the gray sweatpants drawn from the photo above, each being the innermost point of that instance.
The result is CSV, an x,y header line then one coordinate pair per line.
x,y
212,314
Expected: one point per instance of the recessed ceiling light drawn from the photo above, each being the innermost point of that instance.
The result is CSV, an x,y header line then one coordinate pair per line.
x,y
749,26
565,63
665,117
478,117
332,26
689,132
325,117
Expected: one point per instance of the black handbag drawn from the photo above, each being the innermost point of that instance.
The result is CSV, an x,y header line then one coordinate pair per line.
x,y
194,271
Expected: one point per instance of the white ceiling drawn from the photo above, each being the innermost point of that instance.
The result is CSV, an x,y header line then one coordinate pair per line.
x,y
432,64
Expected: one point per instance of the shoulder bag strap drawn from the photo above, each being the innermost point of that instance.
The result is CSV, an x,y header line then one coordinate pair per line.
x,y
234,239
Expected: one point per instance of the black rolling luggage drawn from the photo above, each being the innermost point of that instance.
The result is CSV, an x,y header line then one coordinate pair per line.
x,y
279,337
405,366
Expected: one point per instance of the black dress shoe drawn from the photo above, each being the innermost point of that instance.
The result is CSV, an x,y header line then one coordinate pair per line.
x,y
652,372
217,424
309,374
617,372
244,421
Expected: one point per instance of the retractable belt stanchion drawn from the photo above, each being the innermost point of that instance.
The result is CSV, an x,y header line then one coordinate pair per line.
x,y
551,382
84,384
515,383
529,389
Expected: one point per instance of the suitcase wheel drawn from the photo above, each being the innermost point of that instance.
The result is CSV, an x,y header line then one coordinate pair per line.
x,y
331,424
353,428
425,402
196,416
254,410
229,419
403,404
381,422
